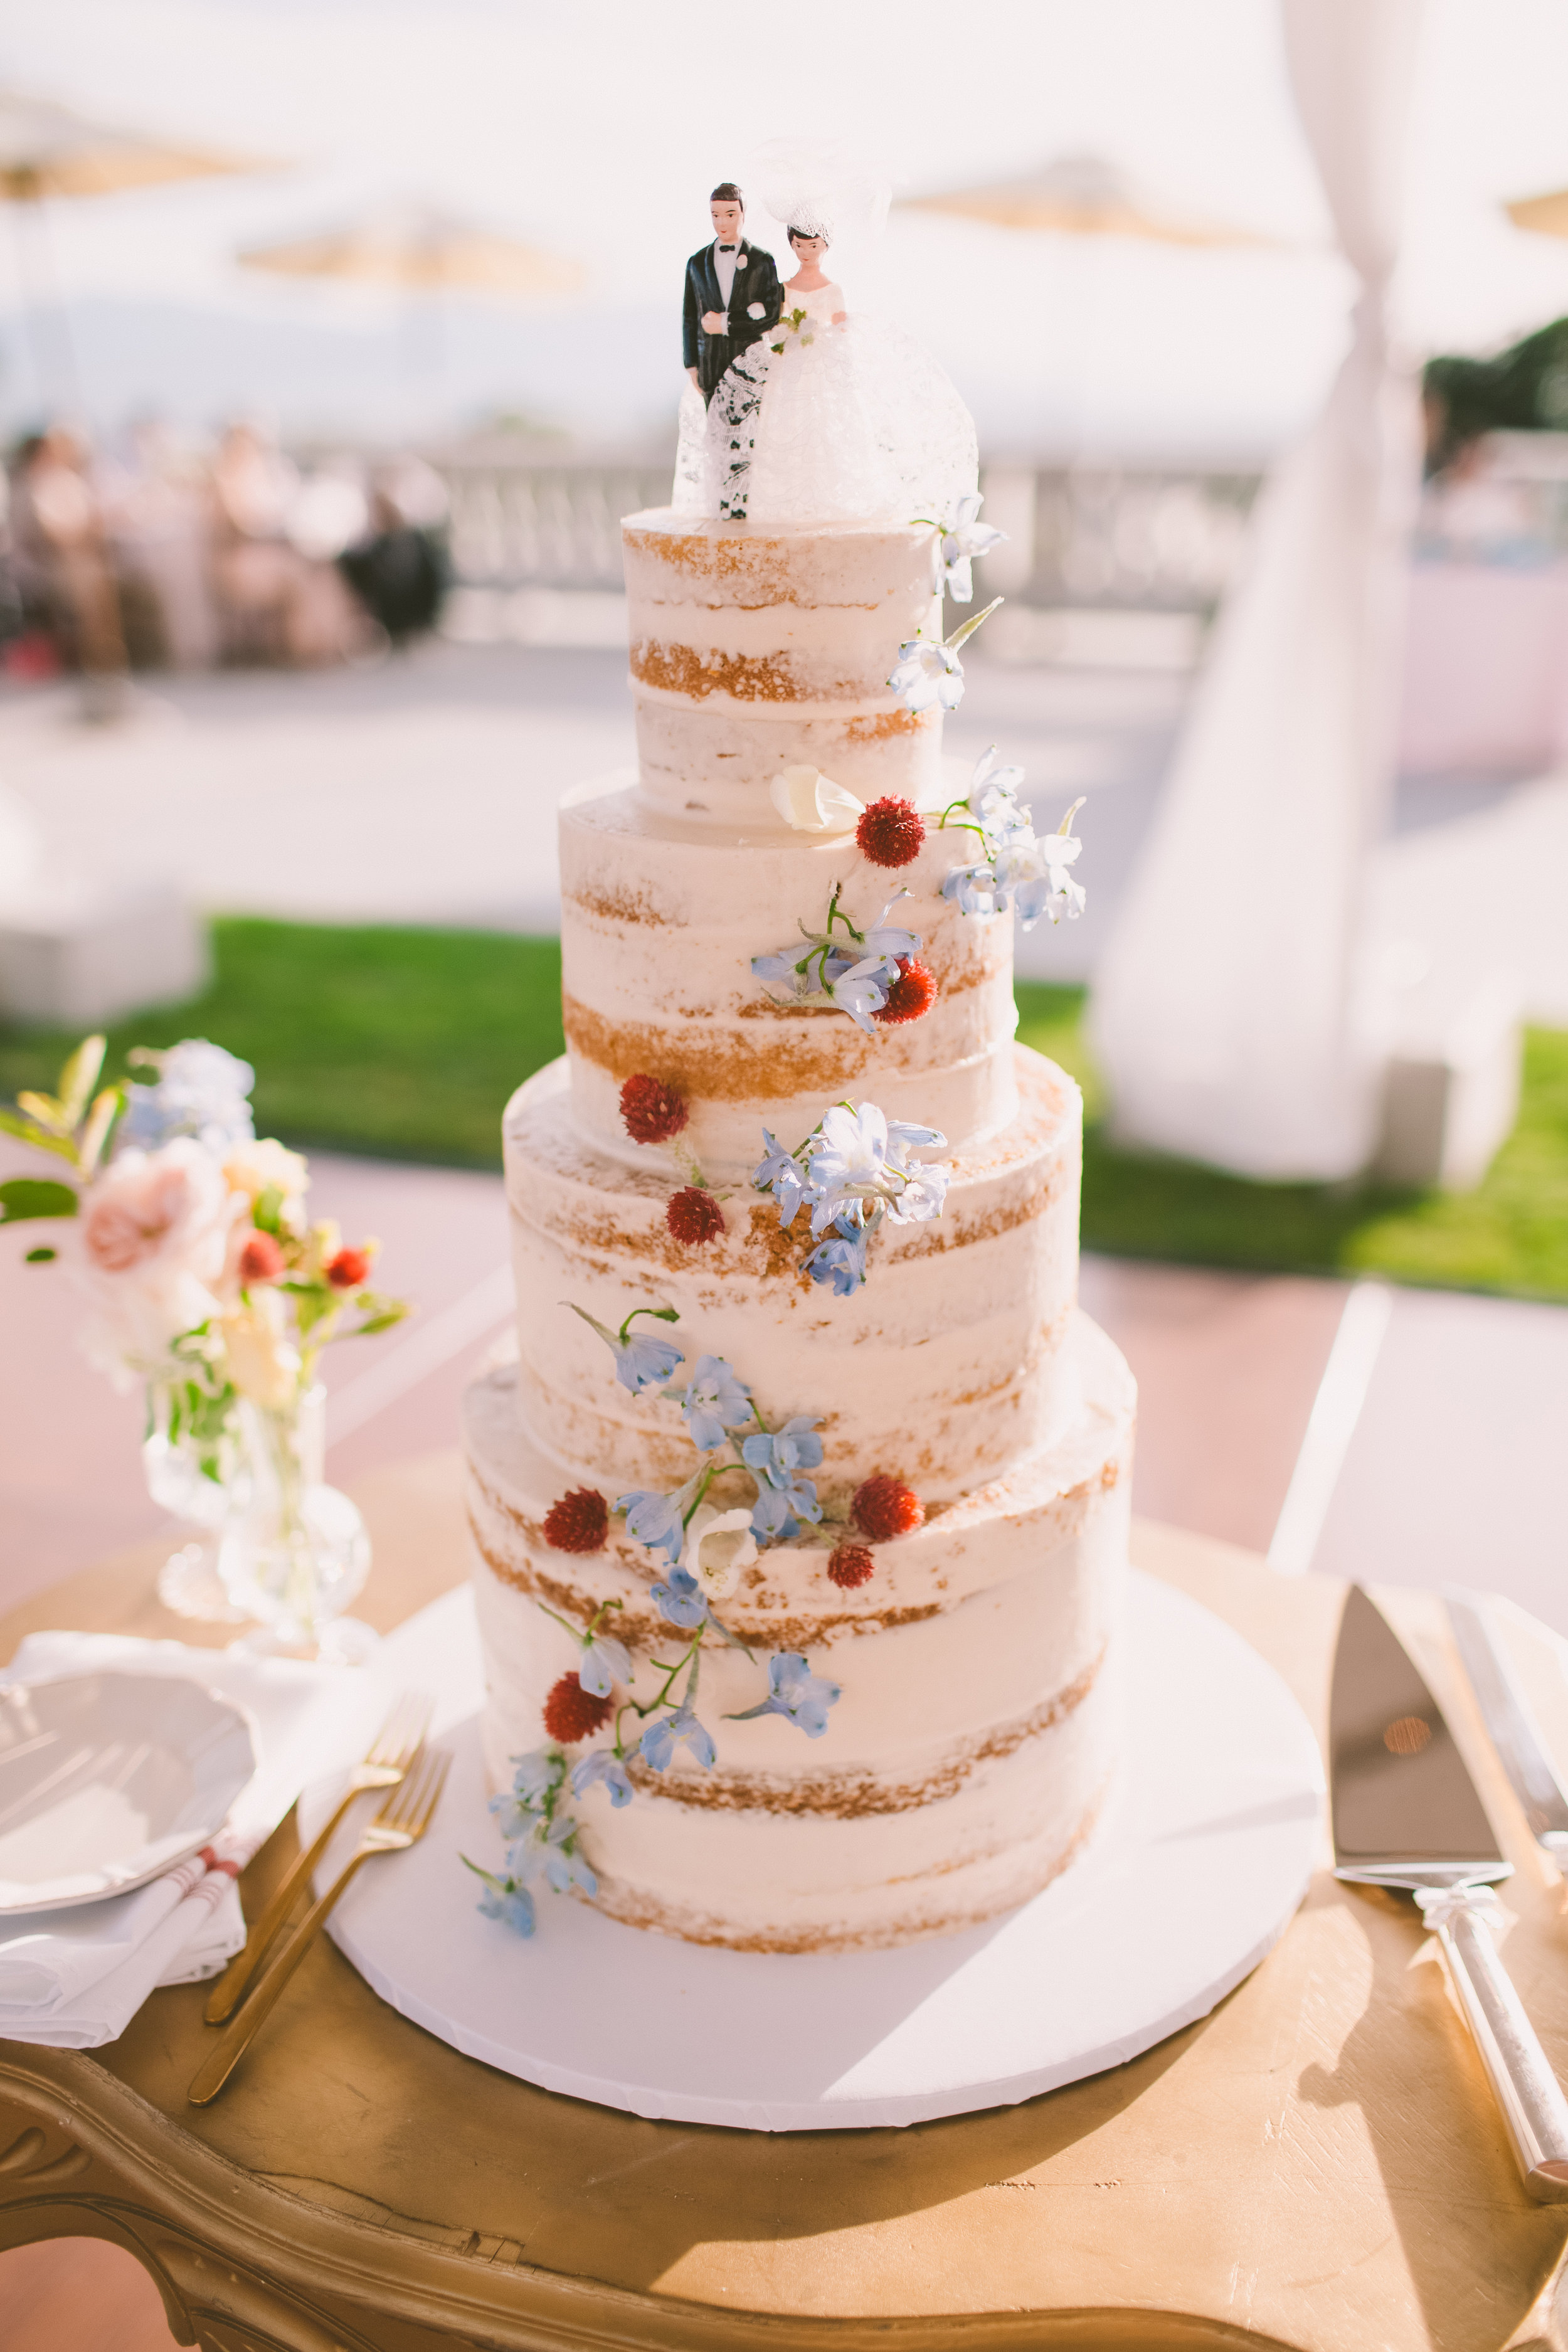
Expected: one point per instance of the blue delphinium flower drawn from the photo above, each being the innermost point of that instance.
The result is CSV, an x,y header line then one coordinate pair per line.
x,y
538,1773
665,1733
776,1458
503,1899
928,674
546,1854
200,1090
605,1663
715,1403
779,1173
642,1360
656,1520
974,889
797,1693
679,1599
602,1768
773,1521
841,1259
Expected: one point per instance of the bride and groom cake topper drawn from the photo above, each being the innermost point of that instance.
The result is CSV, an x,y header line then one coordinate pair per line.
x,y
799,409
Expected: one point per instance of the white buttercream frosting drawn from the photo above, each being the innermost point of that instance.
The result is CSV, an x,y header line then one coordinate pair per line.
x,y
976,1735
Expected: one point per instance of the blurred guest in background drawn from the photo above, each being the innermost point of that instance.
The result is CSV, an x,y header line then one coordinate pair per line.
x,y
399,569
158,508
277,604
62,556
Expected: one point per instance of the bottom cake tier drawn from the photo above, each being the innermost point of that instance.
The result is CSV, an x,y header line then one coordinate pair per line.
x,y
967,1758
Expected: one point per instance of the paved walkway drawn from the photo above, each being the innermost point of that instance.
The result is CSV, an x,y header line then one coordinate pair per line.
x,y
425,791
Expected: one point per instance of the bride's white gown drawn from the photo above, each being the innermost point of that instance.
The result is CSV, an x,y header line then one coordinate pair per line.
x,y
827,423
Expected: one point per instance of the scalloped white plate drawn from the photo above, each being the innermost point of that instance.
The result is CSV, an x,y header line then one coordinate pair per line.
x,y
1191,1881
107,1779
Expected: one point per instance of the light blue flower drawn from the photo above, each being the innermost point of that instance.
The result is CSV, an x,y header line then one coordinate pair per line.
x,y
777,1454
605,1663
538,1772
563,1870
928,676
992,800
797,1693
904,1137
773,1521
200,1090
642,1360
975,889
781,970
961,542
656,1520
840,1260
679,1599
861,989
602,1768
779,1174
715,1402
503,1899
665,1733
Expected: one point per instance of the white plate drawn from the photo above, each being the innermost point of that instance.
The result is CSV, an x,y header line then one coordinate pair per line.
x,y
1190,1882
106,1780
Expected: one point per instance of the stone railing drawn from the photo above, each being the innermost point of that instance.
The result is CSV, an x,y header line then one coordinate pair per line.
x,y
1129,537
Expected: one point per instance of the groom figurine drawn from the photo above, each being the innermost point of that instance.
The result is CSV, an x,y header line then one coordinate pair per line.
x,y
732,295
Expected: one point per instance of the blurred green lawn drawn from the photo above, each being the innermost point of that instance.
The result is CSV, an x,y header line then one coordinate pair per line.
x,y
406,1042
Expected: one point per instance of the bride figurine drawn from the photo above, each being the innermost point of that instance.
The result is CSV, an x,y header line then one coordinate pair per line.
x,y
834,415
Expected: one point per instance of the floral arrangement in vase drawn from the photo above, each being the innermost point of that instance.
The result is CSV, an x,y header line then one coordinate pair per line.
x,y
207,1283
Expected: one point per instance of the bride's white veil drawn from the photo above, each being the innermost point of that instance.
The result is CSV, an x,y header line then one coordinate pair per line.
x,y
828,188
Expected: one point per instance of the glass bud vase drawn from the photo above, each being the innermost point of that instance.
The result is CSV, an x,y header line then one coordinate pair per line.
x,y
191,1461
294,1551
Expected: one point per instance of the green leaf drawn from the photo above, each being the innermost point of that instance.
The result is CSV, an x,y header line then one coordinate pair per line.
x,y
377,1323
79,1076
41,1256
268,1210
29,1196
18,1123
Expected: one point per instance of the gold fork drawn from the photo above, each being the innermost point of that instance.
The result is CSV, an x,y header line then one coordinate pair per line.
x,y
396,1744
402,1820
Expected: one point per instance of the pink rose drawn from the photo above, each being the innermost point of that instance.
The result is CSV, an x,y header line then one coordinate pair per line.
x,y
151,1243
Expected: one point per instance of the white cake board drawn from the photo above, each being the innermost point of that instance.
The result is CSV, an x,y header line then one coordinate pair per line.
x,y
1194,1874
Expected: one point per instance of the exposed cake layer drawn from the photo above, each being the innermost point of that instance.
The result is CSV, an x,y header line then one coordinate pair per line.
x,y
659,925
944,1369
966,1756
751,650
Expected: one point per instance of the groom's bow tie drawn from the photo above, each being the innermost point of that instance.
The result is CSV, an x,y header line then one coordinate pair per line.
x,y
726,248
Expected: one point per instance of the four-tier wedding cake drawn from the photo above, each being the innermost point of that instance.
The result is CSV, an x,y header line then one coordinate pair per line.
x,y
800,1511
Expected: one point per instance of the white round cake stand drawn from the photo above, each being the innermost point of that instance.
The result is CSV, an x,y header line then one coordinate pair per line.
x,y
1201,1860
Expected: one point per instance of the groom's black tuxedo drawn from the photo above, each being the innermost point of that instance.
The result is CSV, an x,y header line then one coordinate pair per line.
x,y
755,305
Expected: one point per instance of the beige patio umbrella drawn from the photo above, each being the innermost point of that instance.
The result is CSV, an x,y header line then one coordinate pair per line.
x,y
1079,196
46,150
415,250
1547,215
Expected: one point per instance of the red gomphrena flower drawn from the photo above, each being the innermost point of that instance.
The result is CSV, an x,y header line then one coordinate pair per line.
x,y
650,1111
891,832
260,1259
571,1713
851,1565
886,1507
348,1269
911,995
579,1521
694,1216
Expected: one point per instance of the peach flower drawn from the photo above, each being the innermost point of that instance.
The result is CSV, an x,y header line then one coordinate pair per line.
x,y
148,1250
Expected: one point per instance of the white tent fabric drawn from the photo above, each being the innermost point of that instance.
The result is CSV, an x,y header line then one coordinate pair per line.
x,y
1227,1008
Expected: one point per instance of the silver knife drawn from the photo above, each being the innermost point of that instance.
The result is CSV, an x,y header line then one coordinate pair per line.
x,y
1407,1815
1508,1718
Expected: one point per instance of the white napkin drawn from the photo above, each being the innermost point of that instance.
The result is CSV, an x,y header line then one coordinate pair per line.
x,y
74,1978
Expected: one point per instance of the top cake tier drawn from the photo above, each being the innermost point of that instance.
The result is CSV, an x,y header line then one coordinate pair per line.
x,y
754,650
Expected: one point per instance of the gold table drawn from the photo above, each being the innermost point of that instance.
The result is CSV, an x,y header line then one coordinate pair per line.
x,y
1317,2165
